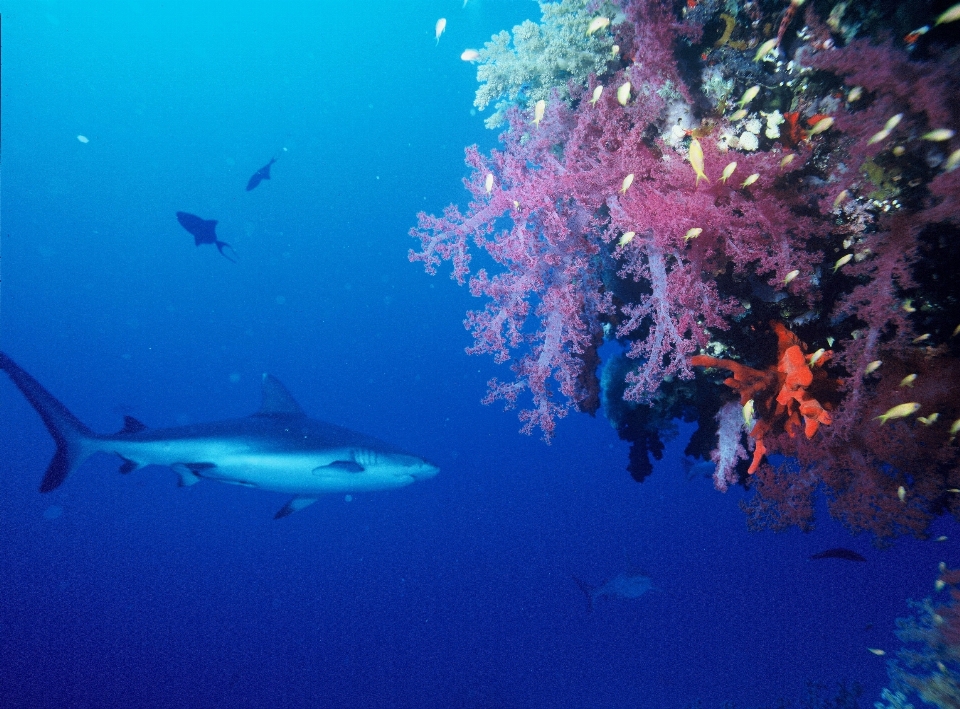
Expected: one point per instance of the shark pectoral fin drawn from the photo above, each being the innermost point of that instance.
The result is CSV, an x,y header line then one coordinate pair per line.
x,y
295,505
190,472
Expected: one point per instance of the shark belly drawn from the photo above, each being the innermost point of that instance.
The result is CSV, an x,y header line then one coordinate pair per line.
x,y
238,462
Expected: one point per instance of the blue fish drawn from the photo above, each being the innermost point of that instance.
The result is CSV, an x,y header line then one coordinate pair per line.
x,y
620,586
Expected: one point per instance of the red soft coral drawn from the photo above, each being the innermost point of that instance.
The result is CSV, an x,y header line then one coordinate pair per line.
x,y
781,394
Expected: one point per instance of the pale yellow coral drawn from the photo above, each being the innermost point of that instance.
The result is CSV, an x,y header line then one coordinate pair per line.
x,y
521,69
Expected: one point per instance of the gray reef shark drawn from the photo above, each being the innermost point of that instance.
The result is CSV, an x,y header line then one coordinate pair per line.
x,y
278,448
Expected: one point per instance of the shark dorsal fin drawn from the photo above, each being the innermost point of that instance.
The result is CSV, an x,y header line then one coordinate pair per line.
x,y
276,399
132,425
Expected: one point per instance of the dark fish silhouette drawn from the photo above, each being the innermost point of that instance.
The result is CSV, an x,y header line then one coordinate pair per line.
x,y
204,232
839,553
260,175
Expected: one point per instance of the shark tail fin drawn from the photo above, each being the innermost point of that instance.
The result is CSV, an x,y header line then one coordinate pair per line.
x,y
587,591
69,433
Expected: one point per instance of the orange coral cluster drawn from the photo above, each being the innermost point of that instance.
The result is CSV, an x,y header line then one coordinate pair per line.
x,y
785,395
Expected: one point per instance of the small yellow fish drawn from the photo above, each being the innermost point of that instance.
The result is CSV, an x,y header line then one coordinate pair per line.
x,y
956,331
954,427
596,95
727,171
908,306
751,179
627,181
692,233
787,159
597,23
952,160
899,411
626,238
790,276
516,205
470,55
749,95
921,338
841,262
878,136
908,380
441,26
855,93
928,420
748,414
872,367
902,493
623,94
840,198
614,50
696,160
488,183
877,651
898,150
830,341
893,122
939,135
764,49
821,125
738,115
939,585
815,357
950,15
539,108
941,538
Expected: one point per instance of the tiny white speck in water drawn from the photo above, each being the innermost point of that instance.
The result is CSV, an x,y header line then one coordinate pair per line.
x,y
83,139
348,498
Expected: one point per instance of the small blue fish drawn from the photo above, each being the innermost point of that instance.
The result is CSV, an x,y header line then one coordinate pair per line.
x,y
620,586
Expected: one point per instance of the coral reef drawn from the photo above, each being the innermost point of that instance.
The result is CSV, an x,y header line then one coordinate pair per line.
x,y
752,188
929,663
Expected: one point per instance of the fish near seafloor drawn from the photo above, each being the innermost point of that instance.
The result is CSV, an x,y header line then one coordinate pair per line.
x,y
620,586
838,553
279,448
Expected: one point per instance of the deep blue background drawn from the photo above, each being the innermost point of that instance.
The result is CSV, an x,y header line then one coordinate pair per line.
x,y
452,592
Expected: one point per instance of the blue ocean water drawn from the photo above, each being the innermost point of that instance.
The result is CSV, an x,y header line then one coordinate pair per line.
x,y
120,591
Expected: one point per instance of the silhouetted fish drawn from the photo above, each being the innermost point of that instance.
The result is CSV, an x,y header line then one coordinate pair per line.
x,y
204,232
839,553
260,175
620,586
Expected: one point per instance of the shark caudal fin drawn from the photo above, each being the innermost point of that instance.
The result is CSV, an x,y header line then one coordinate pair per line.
x,y
68,432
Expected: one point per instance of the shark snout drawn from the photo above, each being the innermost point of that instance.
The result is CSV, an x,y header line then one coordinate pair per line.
x,y
420,469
